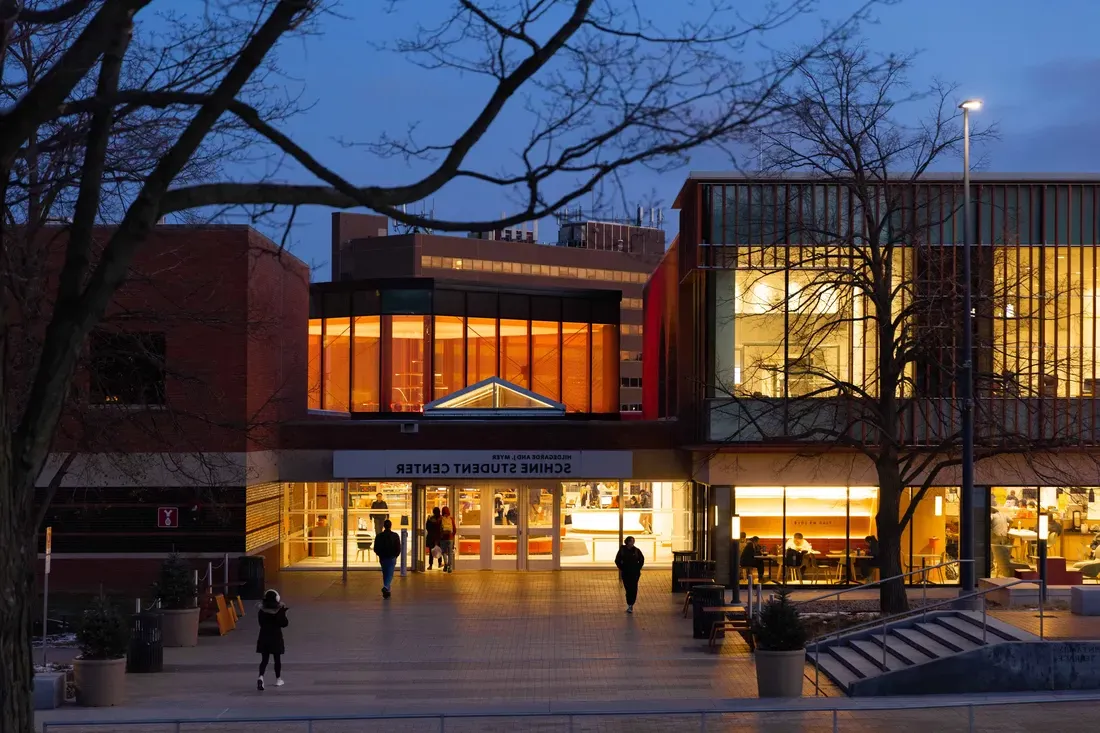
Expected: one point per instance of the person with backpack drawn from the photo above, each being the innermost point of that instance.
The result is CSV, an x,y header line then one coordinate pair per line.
x,y
387,545
431,537
271,614
447,532
629,561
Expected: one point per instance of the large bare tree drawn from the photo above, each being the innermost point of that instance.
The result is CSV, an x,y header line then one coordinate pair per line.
x,y
850,280
122,112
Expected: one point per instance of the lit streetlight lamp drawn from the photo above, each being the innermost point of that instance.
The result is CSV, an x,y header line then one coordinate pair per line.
x,y
966,373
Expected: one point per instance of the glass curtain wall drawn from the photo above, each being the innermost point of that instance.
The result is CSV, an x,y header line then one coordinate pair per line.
x,y
397,363
598,515
819,535
313,521
1073,525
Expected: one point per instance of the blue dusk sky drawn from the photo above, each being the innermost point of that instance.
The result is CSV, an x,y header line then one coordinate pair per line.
x,y
1034,65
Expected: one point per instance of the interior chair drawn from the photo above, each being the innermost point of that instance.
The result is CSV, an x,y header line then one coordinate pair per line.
x,y
364,540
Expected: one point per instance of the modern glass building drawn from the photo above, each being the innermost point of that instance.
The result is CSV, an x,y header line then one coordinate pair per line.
x,y
499,404
395,345
762,328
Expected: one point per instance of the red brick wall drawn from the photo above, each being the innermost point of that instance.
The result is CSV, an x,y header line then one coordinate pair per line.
x,y
234,318
278,306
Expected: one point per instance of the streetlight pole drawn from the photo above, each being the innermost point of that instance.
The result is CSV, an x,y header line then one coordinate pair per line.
x,y
967,571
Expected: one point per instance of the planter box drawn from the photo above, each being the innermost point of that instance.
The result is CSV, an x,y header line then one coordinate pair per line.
x,y
49,690
100,682
779,674
180,627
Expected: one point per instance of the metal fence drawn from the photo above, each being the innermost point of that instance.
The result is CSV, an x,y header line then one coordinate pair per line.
x,y
1002,713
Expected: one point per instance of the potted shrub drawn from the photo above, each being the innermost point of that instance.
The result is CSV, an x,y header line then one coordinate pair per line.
x,y
100,671
175,589
780,653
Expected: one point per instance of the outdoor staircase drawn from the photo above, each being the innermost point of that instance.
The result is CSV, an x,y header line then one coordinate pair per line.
x,y
850,659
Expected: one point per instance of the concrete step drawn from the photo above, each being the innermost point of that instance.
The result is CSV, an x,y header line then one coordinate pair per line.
x,y
834,669
1006,632
873,653
899,648
946,637
969,630
860,665
923,643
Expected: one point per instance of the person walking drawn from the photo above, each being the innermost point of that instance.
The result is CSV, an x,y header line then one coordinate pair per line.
x,y
271,614
431,537
629,561
387,545
447,531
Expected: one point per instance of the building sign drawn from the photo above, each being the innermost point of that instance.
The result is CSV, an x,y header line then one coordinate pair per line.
x,y
409,464
167,517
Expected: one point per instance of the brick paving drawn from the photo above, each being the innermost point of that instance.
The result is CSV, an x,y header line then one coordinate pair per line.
x,y
506,642
1056,624
451,641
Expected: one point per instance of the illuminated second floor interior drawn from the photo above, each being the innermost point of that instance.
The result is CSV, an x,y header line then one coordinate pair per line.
x,y
788,321
400,346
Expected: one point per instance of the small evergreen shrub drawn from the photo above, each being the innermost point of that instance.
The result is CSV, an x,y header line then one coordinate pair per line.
x,y
103,631
176,586
779,627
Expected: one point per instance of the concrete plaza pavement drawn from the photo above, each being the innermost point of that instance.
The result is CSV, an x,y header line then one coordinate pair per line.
x,y
478,641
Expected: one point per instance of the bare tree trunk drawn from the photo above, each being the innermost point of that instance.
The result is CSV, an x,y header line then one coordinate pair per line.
x,y
892,598
16,592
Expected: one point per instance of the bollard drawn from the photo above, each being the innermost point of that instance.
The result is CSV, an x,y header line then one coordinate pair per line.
x,y
210,577
404,550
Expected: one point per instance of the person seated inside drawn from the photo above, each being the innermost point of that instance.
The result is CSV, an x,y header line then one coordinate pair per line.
x,y
866,564
799,544
796,550
751,557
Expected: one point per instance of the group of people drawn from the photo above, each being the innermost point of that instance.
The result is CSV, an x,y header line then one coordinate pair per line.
x,y
439,538
795,552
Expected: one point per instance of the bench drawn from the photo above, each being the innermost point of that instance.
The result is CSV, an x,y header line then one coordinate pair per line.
x,y
688,583
1084,600
736,619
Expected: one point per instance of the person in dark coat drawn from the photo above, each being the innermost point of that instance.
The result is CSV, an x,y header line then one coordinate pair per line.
x,y
272,617
751,558
387,546
431,537
629,561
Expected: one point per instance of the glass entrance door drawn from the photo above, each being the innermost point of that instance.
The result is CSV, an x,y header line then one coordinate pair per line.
x,y
541,545
426,498
503,526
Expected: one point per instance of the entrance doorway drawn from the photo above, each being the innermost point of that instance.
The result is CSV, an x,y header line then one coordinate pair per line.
x,y
501,526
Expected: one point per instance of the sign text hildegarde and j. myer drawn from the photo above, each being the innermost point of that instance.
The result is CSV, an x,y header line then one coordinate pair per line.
x,y
491,465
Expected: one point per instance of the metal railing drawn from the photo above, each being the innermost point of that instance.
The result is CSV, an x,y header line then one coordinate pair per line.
x,y
886,621
570,718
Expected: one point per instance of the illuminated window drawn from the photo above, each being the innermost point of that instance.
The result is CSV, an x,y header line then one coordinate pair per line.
x,y
337,361
514,356
481,349
366,360
407,363
575,366
450,358
546,364
313,369
456,264
604,368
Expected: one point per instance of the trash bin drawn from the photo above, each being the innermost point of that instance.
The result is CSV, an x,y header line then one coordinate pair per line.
x,y
146,652
250,572
701,568
703,596
681,560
